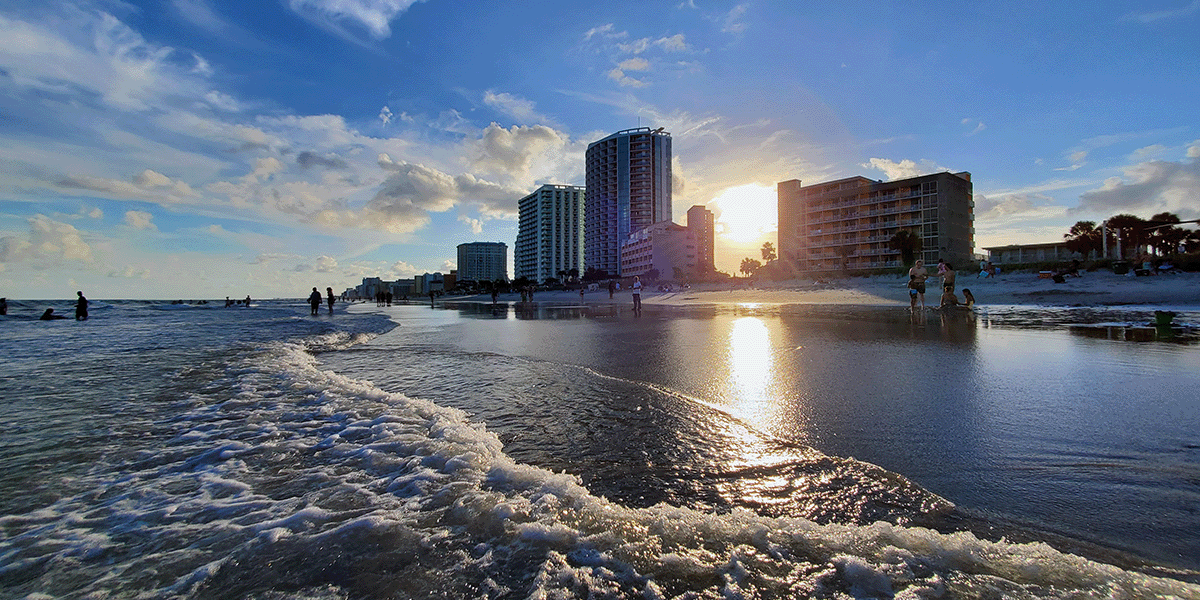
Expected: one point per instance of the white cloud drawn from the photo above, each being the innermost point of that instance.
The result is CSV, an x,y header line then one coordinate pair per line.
x,y
905,168
325,264
140,220
1186,10
130,272
47,242
733,22
475,224
1193,150
1148,188
624,80
634,64
372,15
522,110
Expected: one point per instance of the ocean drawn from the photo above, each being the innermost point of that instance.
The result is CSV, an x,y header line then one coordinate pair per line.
x,y
546,451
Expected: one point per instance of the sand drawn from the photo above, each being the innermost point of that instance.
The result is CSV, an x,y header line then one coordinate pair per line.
x,y
1098,288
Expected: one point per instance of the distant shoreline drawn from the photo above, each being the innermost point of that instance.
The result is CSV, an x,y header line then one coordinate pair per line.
x,y
1094,289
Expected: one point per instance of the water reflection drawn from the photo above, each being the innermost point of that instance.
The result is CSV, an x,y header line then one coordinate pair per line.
x,y
750,368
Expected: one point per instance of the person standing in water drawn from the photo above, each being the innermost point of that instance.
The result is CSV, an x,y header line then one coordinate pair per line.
x,y
314,302
919,273
81,306
329,298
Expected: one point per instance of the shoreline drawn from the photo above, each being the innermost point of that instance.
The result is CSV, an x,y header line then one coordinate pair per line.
x,y
1094,289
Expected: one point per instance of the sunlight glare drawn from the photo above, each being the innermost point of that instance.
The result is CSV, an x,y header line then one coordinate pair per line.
x,y
750,365
747,212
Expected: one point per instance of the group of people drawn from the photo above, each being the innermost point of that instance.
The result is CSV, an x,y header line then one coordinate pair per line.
x,y
916,286
81,309
314,300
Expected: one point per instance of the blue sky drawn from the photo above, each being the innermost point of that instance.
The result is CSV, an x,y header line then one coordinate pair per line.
x,y
205,148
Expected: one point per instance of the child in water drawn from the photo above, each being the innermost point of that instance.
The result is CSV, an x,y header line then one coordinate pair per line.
x,y
949,300
968,298
912,291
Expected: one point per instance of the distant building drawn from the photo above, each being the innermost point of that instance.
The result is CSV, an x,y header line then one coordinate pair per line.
x,y
700,221
847,224
628,188
482,261
663,247
550,233
1015,254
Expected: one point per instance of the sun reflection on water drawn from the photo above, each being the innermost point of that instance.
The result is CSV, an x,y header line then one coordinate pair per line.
x,y
751,367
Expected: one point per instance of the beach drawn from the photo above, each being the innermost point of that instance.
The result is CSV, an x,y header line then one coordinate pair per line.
x,y
723,443
1091,289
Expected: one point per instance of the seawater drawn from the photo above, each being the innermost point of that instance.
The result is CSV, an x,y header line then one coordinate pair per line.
x,y
542,451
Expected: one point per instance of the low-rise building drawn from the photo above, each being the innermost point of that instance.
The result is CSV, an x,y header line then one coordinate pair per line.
x,y
663,247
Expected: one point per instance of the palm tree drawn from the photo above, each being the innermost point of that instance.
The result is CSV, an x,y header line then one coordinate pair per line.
x,y
907,243
1163,235
768,252
1084,238
1129,232
749,266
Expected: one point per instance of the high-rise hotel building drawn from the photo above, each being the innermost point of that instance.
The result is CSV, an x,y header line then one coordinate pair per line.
x,y
700,220
549,233
628,188
483,261
847,224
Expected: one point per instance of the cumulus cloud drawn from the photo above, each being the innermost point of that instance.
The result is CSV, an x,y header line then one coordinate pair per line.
x,y
733,21
513,151
624,80
1148,188
905,168
475,224
411,191
47,242
141,220
325,264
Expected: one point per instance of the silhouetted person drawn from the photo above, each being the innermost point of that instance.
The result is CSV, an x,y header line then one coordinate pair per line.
x,y
431,298
81,304
314,301
3,306
612,287
495,295
329,298
637,294
50,316
228,302
247,300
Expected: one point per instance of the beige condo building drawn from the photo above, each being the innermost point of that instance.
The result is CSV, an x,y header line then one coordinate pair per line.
x,y
847,224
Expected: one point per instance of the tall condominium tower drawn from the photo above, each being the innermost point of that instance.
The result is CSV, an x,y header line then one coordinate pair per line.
x,y
483,261
700,220
628,188
550,233
846,224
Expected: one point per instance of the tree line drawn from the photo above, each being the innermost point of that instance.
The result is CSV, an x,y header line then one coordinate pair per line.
x,y
1160,234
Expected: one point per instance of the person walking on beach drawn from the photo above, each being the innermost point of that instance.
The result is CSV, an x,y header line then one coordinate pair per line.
x,y
612,287
637,294
81,305
330,298
314,301
919,273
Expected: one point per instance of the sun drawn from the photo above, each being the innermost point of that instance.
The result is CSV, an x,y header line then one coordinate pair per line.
x,y
747,212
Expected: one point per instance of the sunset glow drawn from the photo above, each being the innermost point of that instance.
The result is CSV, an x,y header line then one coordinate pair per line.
x,y
746,212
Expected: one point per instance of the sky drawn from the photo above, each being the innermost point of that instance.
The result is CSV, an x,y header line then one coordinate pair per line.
x,y
183,149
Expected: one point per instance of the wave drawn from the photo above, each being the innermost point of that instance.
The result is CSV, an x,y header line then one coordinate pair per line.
x,y
275,476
